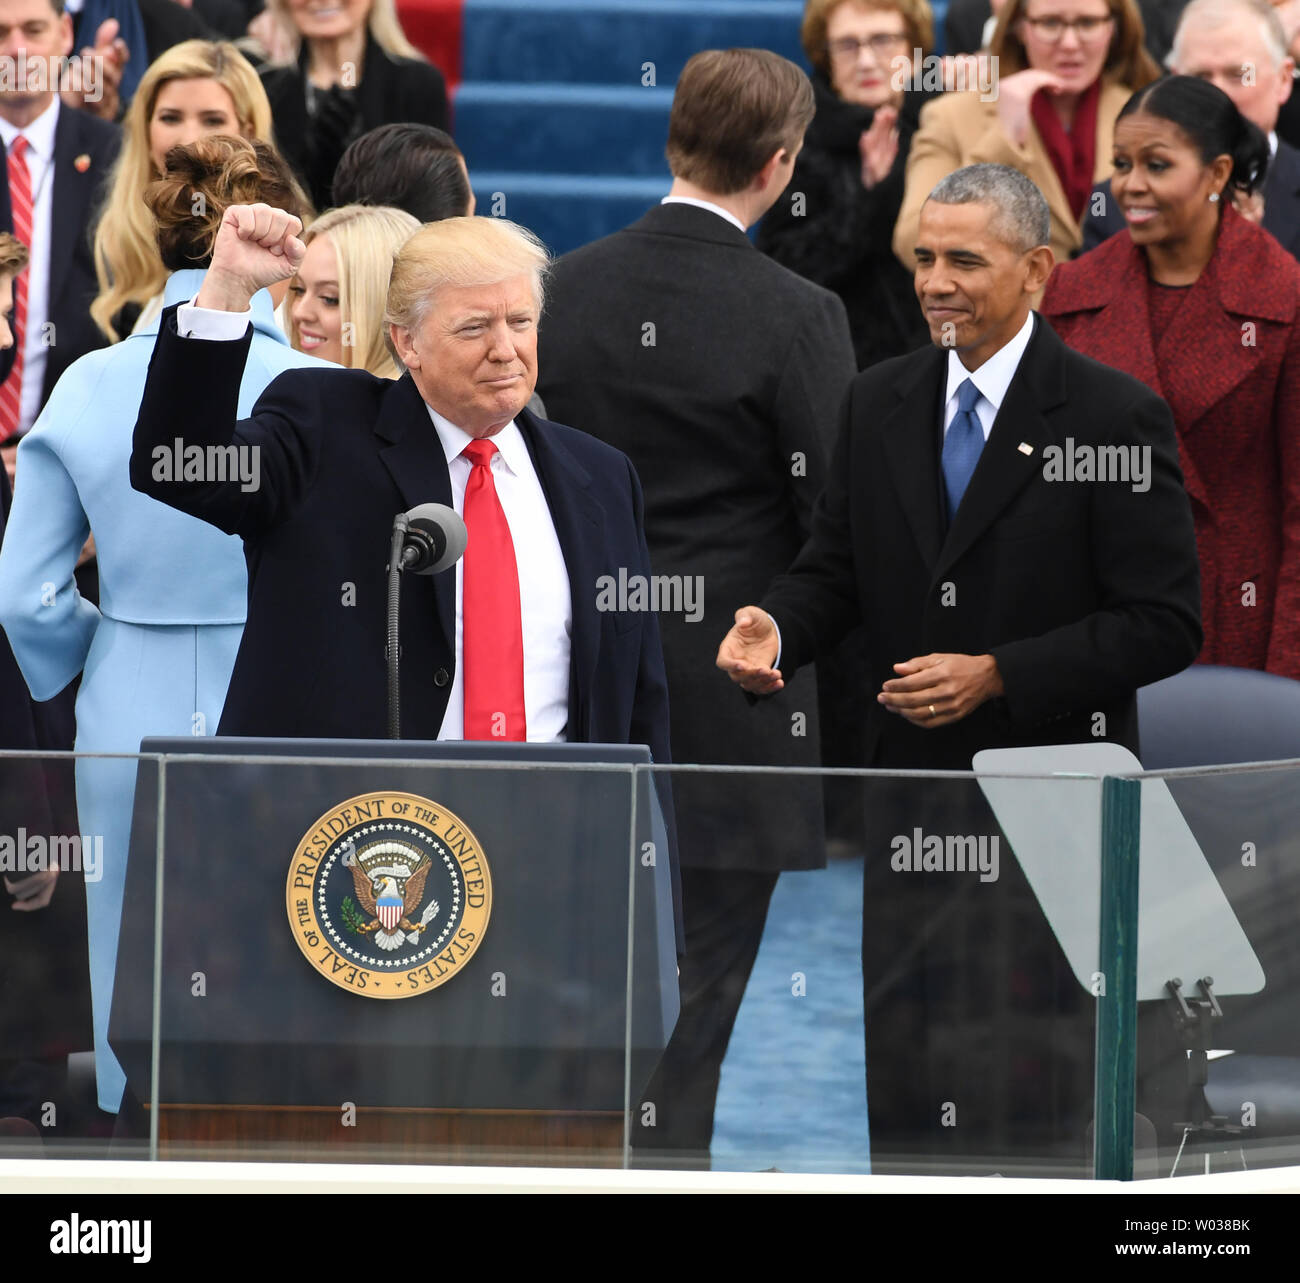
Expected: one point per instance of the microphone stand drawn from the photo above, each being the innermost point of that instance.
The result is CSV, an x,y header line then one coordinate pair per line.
x,y
391,652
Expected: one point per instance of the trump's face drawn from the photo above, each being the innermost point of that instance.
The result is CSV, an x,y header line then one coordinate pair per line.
x,y
973,287
474,358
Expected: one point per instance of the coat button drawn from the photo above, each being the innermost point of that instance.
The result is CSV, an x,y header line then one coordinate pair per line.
x,y
441,677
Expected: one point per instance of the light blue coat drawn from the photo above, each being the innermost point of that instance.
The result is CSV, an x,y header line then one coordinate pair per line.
x,y
157,653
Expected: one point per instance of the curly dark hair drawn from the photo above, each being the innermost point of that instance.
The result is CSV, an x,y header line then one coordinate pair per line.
x,y
204,177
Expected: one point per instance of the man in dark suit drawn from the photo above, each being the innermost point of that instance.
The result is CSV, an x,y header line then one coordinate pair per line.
x,y
1004,606
1219,40
67,155
513,646
719,372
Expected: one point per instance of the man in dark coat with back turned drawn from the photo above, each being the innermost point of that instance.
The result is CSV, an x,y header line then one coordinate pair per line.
x,y
719,373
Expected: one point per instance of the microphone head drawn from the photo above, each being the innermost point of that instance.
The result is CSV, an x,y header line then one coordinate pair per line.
x,y
444,539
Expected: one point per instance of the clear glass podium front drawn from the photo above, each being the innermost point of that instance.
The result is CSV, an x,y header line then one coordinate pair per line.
x,y
414,956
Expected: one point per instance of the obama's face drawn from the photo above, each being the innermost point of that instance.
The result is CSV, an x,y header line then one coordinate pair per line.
x,y
974,288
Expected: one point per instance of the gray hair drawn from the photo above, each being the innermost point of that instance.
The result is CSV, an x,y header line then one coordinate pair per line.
x,y
1222,13
1020,215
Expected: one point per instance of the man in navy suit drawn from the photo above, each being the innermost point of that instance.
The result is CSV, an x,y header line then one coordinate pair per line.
x,y
1240,46
333,455
68,154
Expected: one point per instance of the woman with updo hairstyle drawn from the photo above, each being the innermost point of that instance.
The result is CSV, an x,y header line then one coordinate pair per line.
x,y
1203,306
335,305
190,91
156,655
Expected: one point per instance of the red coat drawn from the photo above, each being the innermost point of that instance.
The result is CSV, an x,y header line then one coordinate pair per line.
x,y
1229,367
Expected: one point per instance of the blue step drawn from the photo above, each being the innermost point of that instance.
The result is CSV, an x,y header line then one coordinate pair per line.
x,y
599,42
565,129
567,210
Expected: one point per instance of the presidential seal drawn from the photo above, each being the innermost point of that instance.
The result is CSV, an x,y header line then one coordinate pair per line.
x,y
388,895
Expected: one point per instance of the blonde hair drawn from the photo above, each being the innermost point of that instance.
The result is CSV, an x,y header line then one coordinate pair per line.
x,y
365,238
127,262
472,250
382,22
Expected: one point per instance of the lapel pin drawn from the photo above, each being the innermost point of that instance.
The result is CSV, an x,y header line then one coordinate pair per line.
x,y
1025,448
82,163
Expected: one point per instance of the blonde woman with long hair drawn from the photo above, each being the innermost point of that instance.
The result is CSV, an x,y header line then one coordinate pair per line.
x,y
335,305
192,90
352,70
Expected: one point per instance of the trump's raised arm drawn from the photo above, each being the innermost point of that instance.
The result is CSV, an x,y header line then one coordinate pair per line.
x,y
190,450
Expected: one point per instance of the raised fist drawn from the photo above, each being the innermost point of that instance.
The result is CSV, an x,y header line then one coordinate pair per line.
x,y
256,246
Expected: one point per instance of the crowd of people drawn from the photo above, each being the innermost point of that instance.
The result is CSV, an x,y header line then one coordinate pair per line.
x,y
1105,179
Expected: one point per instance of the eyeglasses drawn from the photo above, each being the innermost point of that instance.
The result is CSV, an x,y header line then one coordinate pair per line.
x,y
1052,29
881,45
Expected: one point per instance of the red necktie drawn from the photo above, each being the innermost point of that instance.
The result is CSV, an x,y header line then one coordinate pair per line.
x,y
493,635
20,201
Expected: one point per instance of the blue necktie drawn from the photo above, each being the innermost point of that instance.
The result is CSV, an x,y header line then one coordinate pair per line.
x,y
962,446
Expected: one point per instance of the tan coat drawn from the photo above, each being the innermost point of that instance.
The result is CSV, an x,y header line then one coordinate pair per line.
x,y
958,129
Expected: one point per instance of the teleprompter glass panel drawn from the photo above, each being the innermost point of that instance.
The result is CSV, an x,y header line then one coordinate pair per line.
x,y
1218,1058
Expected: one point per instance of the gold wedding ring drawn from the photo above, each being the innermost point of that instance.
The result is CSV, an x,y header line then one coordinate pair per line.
x,y
932,712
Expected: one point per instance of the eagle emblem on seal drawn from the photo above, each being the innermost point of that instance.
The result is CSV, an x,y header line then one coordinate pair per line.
x,y
388,878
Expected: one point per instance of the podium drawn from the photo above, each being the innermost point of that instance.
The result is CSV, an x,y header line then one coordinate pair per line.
x,y
261,1006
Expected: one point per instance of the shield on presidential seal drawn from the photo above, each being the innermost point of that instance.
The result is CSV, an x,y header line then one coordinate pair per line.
x,y
390,910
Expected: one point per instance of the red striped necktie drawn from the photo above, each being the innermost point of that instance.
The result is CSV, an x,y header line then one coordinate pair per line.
x,y
20,202
491,621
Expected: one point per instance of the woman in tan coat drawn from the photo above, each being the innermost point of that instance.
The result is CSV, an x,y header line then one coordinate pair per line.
x,y
1064,70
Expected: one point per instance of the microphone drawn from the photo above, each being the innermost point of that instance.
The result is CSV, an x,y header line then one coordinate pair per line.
x,y
434,538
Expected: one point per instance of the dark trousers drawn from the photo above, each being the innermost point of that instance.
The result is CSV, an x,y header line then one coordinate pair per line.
x,y
723,913
979,1038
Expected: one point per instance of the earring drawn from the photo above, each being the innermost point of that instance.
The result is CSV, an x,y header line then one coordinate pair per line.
x,y
1214,196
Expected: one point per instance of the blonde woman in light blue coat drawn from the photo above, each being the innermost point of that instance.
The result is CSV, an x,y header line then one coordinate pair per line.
x,y
156,655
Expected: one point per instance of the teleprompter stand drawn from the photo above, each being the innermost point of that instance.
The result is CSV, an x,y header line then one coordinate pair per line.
x,y
1204,1133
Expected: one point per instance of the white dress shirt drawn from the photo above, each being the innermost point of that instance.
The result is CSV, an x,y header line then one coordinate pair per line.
x,y
545,600
992,379
40,165
705,204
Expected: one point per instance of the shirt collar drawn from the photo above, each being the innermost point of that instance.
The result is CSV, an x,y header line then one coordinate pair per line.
x,y
705,204
509,441
995,375
1272,144
39,134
